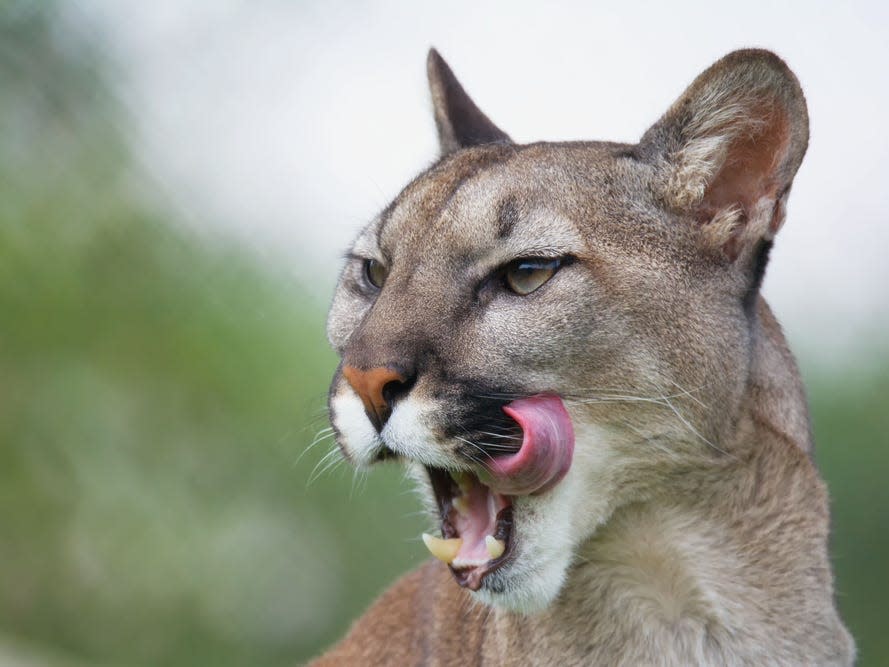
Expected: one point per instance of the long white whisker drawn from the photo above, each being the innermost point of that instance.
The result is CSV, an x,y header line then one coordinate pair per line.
x,y
503,436
319,438
690,393
324,464
484,453
694,431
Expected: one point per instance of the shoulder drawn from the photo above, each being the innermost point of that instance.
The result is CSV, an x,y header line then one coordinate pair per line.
x,y
422,619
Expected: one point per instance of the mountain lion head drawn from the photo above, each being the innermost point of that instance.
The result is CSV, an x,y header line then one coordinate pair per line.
x,y
543,333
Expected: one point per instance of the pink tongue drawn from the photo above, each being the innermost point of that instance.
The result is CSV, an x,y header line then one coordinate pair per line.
x,y
547,447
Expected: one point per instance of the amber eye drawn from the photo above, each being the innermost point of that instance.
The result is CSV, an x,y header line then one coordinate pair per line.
x,y
375,272
523,276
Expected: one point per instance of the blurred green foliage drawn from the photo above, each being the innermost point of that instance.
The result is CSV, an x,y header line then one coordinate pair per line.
x,y
157,393
850,412
158,396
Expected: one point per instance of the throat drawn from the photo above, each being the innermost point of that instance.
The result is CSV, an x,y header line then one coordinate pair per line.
x,y
654,563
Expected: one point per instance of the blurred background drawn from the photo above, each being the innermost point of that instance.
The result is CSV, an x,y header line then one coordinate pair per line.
x,y
178,180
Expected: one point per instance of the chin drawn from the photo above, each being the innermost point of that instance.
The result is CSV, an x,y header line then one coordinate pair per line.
x,y
527,587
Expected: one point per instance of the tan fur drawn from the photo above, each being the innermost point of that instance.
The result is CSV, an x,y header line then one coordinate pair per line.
x,y
692,527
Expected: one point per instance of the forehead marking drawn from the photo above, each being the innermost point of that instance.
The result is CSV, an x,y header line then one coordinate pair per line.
x,y
431,192
507,217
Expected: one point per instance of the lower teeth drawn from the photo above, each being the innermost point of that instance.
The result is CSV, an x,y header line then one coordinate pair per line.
x,y
446,550
494,546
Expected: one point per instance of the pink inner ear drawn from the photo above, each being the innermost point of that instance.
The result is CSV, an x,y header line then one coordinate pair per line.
x,y
750,170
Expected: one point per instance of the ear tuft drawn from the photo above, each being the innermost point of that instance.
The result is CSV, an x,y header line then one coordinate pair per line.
x,y
459,121
729,147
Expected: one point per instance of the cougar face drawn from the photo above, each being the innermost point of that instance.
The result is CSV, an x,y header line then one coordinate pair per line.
x,y
544,333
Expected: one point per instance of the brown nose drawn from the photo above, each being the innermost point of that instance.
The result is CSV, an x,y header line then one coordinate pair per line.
x,y
377,388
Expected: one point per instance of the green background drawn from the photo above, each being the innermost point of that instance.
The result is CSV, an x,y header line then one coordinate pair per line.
x,y
159,392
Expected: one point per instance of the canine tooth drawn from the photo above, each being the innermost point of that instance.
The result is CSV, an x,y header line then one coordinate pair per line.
x,y
462,481
494,546
444,550
461,505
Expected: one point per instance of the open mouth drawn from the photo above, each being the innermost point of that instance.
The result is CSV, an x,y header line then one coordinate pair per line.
x,y
476,526
476,507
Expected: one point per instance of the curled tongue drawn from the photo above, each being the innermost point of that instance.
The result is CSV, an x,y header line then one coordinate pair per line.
x,y
546,451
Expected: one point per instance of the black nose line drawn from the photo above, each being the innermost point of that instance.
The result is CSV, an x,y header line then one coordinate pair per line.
x,y
392,391
398,389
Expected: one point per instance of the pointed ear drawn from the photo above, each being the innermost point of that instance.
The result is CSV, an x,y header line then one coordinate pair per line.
x,y
727,150
460,123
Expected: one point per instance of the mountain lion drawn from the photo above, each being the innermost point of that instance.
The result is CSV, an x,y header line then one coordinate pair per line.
x,y
566,345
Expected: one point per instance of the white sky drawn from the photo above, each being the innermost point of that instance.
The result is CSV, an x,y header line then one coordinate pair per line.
x,y
290,124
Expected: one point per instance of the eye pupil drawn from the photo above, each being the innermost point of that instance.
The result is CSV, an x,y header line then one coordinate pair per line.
x,y
526,275
375,272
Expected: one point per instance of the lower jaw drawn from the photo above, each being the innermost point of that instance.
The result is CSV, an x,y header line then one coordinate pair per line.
x,y
469,512
473,576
